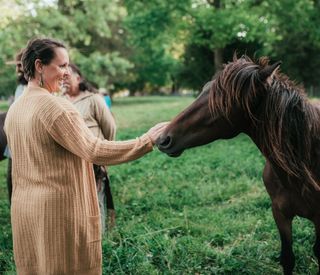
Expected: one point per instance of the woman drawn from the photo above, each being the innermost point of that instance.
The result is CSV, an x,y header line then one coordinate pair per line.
x,y
22,83
54,212
100,121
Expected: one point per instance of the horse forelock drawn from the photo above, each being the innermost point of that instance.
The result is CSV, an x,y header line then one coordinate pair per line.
x,y
236,85
288,122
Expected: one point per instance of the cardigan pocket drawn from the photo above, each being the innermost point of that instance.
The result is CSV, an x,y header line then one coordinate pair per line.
x,y
94,228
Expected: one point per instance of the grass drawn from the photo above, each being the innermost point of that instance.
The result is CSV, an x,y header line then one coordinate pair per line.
x,y
3,106
206,212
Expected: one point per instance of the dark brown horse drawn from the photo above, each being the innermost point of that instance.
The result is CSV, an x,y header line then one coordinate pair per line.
x,y
255,99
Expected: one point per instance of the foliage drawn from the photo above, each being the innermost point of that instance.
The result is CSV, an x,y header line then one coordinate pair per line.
x,y
191,74
153,36
90,29
218,27
298,43
206,212
205,27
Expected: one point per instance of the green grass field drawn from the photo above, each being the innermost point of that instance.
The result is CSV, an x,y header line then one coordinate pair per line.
x,y
206,212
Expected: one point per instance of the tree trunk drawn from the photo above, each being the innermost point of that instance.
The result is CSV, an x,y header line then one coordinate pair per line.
x,y
218,59
218,53
214,3
174,86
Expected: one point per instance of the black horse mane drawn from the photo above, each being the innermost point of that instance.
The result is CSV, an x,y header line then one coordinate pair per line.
x,y
288,123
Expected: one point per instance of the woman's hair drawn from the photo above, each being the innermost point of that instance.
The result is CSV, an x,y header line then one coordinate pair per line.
x,y
43,49
20,74
84,85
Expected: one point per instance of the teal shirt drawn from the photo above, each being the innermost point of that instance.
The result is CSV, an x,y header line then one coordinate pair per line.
x,y
107,99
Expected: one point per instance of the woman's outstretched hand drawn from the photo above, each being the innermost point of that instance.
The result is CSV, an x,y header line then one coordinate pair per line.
x,y
155,132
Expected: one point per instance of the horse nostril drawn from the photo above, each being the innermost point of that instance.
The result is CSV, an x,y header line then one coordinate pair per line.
x,y
165,142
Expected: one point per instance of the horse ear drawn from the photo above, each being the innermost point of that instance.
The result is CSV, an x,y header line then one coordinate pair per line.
x,y
268,71
244,57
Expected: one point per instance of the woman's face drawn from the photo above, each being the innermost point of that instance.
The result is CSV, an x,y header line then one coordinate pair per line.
x,y
56,71
71,84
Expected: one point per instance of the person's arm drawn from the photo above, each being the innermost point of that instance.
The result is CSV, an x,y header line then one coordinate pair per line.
x,y
70,131
104,118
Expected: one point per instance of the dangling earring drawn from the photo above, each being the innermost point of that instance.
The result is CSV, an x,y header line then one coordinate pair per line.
x,y
41,80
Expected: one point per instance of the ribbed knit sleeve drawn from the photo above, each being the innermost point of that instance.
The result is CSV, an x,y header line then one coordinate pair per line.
x,y
71,132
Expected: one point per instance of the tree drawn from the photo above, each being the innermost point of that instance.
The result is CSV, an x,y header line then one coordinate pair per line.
x,y
154,39
296,25
92,30
148,45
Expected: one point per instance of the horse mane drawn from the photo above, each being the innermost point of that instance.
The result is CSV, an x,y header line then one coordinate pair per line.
x,y
279,108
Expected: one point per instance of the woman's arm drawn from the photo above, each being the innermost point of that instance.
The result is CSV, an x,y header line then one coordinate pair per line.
x,y
70,131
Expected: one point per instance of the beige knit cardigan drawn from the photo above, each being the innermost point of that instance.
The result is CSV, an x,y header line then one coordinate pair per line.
x,y
54,212
95,114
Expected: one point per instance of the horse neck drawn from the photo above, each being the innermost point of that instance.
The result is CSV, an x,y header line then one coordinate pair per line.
x,y
272,125
288,135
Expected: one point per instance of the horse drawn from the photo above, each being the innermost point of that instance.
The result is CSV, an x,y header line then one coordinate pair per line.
x,y
254,98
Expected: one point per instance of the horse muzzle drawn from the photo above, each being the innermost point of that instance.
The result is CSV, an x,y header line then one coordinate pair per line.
x,y
165,144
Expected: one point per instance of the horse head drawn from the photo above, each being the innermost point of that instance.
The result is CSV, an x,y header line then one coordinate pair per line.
x,y
223,109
